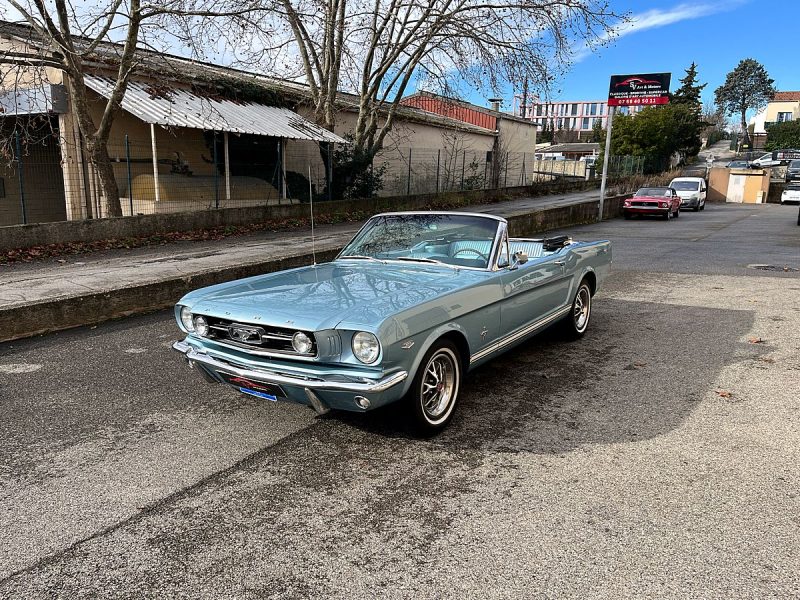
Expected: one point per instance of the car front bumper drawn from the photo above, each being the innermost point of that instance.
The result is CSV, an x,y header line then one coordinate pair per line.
x,y
690,202
646,210
322,391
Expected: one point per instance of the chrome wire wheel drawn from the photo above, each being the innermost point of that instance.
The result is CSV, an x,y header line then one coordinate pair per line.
x,y
439,384
582,309
434,393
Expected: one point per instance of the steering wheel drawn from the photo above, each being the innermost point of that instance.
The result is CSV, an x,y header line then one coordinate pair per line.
x,y
481,254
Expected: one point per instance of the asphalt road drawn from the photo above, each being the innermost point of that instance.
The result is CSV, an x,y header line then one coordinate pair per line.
x,y
657,457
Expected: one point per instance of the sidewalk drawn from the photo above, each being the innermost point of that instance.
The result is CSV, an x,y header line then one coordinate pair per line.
x,y
90,288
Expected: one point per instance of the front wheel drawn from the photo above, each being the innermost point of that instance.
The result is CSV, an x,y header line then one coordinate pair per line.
x,y
577,320
434,392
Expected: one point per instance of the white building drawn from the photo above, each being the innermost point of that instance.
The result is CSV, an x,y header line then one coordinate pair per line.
x,y
575,115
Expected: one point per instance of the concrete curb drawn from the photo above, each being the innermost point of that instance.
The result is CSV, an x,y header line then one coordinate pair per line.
x,y
65,313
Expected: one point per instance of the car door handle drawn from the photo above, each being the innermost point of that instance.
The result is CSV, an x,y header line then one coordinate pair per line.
x,y
560,263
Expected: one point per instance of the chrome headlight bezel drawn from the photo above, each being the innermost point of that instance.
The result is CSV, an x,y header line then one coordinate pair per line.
x,y
187,319
201,327
302,340
366,347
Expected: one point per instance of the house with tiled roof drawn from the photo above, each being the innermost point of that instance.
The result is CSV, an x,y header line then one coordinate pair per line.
x,y
784,106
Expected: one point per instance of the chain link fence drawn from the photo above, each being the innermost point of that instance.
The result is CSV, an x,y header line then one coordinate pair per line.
x,y
49,181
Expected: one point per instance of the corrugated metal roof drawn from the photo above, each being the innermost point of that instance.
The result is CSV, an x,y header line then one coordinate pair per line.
x,y
176,107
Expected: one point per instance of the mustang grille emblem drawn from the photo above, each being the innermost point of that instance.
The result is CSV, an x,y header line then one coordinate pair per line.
x,y
245,334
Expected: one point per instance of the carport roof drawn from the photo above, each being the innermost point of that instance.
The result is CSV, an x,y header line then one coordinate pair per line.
x,y
176,107
37,100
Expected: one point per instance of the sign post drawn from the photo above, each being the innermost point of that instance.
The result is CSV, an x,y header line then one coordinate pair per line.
x,y
605,162
650,89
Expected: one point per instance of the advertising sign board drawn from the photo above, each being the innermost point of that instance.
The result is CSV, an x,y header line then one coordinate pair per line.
x,y
636,90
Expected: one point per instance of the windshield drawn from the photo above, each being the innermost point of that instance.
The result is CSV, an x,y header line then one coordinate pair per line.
x,y
653,192
685,186
795,164
452,239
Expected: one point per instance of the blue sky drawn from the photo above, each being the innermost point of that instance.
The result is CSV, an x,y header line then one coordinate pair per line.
x,y
666,36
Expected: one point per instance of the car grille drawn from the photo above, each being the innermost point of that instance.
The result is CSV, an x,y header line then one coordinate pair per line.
x,y
647,204
250,336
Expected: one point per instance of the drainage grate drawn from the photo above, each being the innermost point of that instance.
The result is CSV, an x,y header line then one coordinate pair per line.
x,y
779,269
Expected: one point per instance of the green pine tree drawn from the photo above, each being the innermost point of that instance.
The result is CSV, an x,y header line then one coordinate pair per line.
x,y
689,92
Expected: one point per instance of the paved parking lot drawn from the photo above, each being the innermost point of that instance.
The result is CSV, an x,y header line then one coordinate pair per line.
x,y
657,457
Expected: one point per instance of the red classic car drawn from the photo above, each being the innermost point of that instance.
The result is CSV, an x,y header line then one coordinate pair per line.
x,y
661,201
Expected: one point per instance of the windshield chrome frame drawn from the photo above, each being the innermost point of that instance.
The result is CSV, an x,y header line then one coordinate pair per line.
x,y
491,264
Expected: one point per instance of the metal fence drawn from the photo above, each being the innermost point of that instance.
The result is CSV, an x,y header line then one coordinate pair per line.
x,y
47,181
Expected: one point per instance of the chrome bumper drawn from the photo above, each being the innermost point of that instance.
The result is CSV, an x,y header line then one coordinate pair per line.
x,y
356,385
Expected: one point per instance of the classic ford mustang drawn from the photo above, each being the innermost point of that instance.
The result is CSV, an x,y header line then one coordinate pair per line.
x,y
408,306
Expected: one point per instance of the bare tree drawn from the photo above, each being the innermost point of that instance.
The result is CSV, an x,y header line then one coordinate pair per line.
x,y
74,39
376,49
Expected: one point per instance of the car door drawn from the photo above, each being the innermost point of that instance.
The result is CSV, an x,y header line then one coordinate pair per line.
x,y
702,191
534,290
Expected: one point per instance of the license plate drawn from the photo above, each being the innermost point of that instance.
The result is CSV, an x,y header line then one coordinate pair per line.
x,y
268,391
258,394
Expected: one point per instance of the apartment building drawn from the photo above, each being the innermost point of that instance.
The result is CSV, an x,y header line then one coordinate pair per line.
x,y
579,116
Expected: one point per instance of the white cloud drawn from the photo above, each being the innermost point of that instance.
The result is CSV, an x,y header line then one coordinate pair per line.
x,y
657,17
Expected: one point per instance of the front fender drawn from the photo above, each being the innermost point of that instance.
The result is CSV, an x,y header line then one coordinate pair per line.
x,y
424,341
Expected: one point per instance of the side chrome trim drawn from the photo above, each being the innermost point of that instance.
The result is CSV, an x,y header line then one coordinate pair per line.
x,y
360,385
517,335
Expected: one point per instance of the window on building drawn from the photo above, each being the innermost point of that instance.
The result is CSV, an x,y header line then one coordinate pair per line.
x,y
602,108
538,110
585,124
597,121
784,116
593,108
574,109
560,124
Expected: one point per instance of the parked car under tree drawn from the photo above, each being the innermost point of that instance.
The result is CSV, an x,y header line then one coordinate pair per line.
x,y
409,305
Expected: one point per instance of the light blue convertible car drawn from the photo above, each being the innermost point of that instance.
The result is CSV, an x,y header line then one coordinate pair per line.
x,y
410,304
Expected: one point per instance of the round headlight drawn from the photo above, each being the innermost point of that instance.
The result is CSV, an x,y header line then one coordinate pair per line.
x,y
301,343
186,318
366,347
201,326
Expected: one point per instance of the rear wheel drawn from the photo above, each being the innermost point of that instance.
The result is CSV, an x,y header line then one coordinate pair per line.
x,y
576,322
434,392
677,212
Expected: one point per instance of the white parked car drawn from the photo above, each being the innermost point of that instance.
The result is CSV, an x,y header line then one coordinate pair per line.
x,y
692,192
765,161
791,193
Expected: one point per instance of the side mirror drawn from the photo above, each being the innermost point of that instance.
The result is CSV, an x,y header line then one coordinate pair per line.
x,y
518,258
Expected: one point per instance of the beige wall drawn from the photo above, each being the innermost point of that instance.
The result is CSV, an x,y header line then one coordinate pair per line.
x,y
756,181
773,108
517,137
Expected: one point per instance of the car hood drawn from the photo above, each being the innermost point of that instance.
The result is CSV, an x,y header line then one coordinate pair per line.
x,y
320,297
650,198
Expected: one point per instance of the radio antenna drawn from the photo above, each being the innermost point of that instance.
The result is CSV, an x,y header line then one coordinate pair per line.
x,y
311,200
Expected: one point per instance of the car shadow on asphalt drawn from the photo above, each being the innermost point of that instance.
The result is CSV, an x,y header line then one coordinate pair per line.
x,y
637,374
